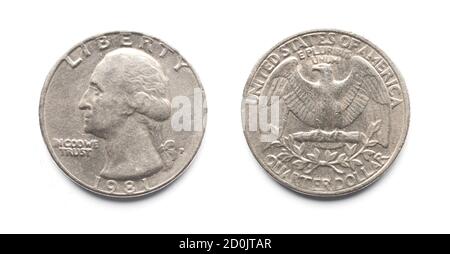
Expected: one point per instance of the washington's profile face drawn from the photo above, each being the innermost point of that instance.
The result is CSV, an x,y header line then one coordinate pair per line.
x,y
125,102
102,104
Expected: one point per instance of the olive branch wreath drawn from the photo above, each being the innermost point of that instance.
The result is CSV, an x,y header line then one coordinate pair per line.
x,y
350,158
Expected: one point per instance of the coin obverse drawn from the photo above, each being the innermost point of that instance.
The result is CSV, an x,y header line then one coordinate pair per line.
x,y
325,112
122,114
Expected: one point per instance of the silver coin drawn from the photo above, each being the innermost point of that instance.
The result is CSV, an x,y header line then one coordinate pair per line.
x,y
325,112
122,114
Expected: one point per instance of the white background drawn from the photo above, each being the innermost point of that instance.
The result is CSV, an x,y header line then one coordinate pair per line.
x,y
224,190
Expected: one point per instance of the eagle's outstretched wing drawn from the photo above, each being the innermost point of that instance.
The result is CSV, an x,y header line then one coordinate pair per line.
x,y
355,93
299,95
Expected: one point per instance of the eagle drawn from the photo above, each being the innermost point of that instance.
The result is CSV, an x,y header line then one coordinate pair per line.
x,y
329,104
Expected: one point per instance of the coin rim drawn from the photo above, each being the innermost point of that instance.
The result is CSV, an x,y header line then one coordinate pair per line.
x,y
387,165
66,171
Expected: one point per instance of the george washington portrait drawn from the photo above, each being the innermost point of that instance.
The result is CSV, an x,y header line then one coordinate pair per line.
x,y
125,104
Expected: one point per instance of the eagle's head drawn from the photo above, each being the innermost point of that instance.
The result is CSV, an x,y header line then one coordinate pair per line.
x,y
326,72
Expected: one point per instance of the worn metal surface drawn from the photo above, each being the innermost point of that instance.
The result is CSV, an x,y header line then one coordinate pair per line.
x,y
325,112
122,114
